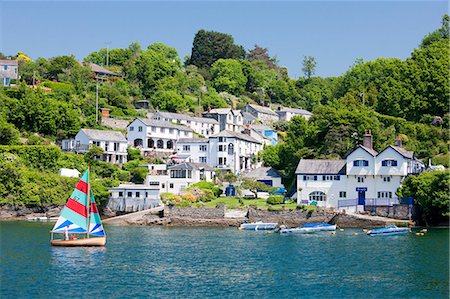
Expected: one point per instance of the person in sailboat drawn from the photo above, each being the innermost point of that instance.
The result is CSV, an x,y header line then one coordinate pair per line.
x,y
66,233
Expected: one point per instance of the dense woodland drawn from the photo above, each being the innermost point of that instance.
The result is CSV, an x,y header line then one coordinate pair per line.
x,y
55,97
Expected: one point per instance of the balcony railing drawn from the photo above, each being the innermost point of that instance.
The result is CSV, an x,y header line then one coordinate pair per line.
x,y
342,203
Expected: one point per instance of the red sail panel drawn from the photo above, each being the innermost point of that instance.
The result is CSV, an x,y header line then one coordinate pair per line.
x,y
76,207
94,208
82,186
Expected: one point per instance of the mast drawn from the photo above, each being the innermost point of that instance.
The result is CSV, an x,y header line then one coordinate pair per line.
x,y
88,206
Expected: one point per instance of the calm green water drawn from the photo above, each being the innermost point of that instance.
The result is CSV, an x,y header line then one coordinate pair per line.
x,y
161,262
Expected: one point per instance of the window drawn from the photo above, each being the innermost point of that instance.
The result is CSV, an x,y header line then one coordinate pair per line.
x,y
146,194
384,194
203,148
186,133
342,194
387,179
310,177
222,139
120,193
131,129
222,148
171,131
230,149
153,183
327,177
186,148
203,160
116,146
6,67
189,174
138,194
171,185
163,185
140,128
129,194
317,196
160,144
178,173
389,163
106,146
337,177
222,161
163,130
360,179
360,163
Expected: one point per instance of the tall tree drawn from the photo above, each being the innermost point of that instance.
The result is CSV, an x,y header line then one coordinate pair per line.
x,y
210,46
309,66
262,54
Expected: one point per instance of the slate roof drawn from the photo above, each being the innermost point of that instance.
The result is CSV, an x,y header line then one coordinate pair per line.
x,y
8,62
261,109
230,134
193,140
219,111
295,110
181,116
191,166
249,116
104,135
261,127
308,166
262,173
403,152
369,150
164,124
101,70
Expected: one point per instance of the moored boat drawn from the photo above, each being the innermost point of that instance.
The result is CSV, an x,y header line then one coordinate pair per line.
x,y
259,225
80,218
309,228
389,231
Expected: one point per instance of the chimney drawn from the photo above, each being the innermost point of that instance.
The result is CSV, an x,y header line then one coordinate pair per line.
x,y
105,112
398,141
367,141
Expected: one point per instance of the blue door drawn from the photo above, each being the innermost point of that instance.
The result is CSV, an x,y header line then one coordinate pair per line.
x,y
361,197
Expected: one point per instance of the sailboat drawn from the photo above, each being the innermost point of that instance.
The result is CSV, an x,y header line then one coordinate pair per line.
x,y
80,218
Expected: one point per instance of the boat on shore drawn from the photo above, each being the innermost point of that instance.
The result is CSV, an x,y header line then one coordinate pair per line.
x,y
390,230
79,219
259,225
309,228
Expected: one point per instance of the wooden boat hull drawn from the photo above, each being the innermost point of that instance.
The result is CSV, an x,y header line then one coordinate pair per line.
x,y
95,241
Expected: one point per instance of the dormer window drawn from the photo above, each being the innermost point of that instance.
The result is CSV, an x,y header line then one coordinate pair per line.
x,y
389,163
360,163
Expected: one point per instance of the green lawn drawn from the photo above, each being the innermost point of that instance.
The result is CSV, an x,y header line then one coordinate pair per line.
x,y
233,203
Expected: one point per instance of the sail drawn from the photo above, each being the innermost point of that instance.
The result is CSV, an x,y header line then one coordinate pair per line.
x,y
74,213
95,223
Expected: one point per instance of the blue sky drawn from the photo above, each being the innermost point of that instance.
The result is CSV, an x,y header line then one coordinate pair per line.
x,y
336,33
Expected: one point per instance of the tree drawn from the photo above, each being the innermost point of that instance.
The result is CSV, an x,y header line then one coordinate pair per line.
x,y
262,54
442,33
309,66
227,76
93,153
209,46
58,64
254,186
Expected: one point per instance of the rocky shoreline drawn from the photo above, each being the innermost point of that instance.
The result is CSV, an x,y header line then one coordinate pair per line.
x,y
216,217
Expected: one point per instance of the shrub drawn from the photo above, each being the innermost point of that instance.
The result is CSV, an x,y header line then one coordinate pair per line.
x,y
274,208
208,195
203,185
189,197
275,200
166,196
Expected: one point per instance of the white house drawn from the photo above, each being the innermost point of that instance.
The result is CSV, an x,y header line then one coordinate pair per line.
x,y
286,113
8,71
154,135
365,177
194,150
266,175
113,143
229,119
263,114
133,197
201,125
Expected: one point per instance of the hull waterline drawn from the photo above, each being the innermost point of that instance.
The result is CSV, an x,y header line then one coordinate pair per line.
x,y
95,241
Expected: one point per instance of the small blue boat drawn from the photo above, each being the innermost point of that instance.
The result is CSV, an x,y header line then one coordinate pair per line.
x,y
259,225
390,230
309,228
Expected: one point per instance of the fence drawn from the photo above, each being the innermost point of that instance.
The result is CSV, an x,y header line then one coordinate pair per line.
x,y
387,207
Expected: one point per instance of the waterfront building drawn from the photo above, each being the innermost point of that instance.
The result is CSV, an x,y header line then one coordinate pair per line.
x,y
229,119
364,177
9,70
113,143
286,113
133,197
201,125
264,114
152,135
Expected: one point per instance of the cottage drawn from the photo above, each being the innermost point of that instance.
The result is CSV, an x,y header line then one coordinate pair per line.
x,y
201,125
285,113
113,143
228,119
9,70
263,114
133,198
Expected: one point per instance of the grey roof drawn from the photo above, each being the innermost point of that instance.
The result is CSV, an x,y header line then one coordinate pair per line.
x,y
369,150
192,166
101,70
8,62
193,140
295,110
104,135
261,127
262,173
262,109
163,124
181,116
402,151
307,166
248,116
219,111
230,134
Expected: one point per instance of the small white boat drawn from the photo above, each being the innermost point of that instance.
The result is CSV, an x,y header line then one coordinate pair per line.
x,y
259,225
38,219
389,231
309,228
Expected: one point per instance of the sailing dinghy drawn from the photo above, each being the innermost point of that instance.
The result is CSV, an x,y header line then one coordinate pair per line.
x,y
79,218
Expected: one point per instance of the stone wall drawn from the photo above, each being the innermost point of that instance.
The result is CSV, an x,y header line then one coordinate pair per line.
x,y
195,213
287,217
395,212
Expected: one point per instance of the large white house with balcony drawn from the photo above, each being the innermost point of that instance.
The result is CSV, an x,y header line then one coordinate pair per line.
x,y
113,143
201,125
152,135
364,178
228,119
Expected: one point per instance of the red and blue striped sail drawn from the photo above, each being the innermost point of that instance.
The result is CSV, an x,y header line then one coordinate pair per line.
x,y
95,223
74,214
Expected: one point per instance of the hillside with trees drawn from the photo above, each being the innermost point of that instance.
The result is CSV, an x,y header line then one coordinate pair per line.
x,y
55,97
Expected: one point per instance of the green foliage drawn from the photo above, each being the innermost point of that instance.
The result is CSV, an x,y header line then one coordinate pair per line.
x,y
206,186
138,175
9,135
35,156
275,200
94,153
254,186
227,75
309,66
134,154
430,191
